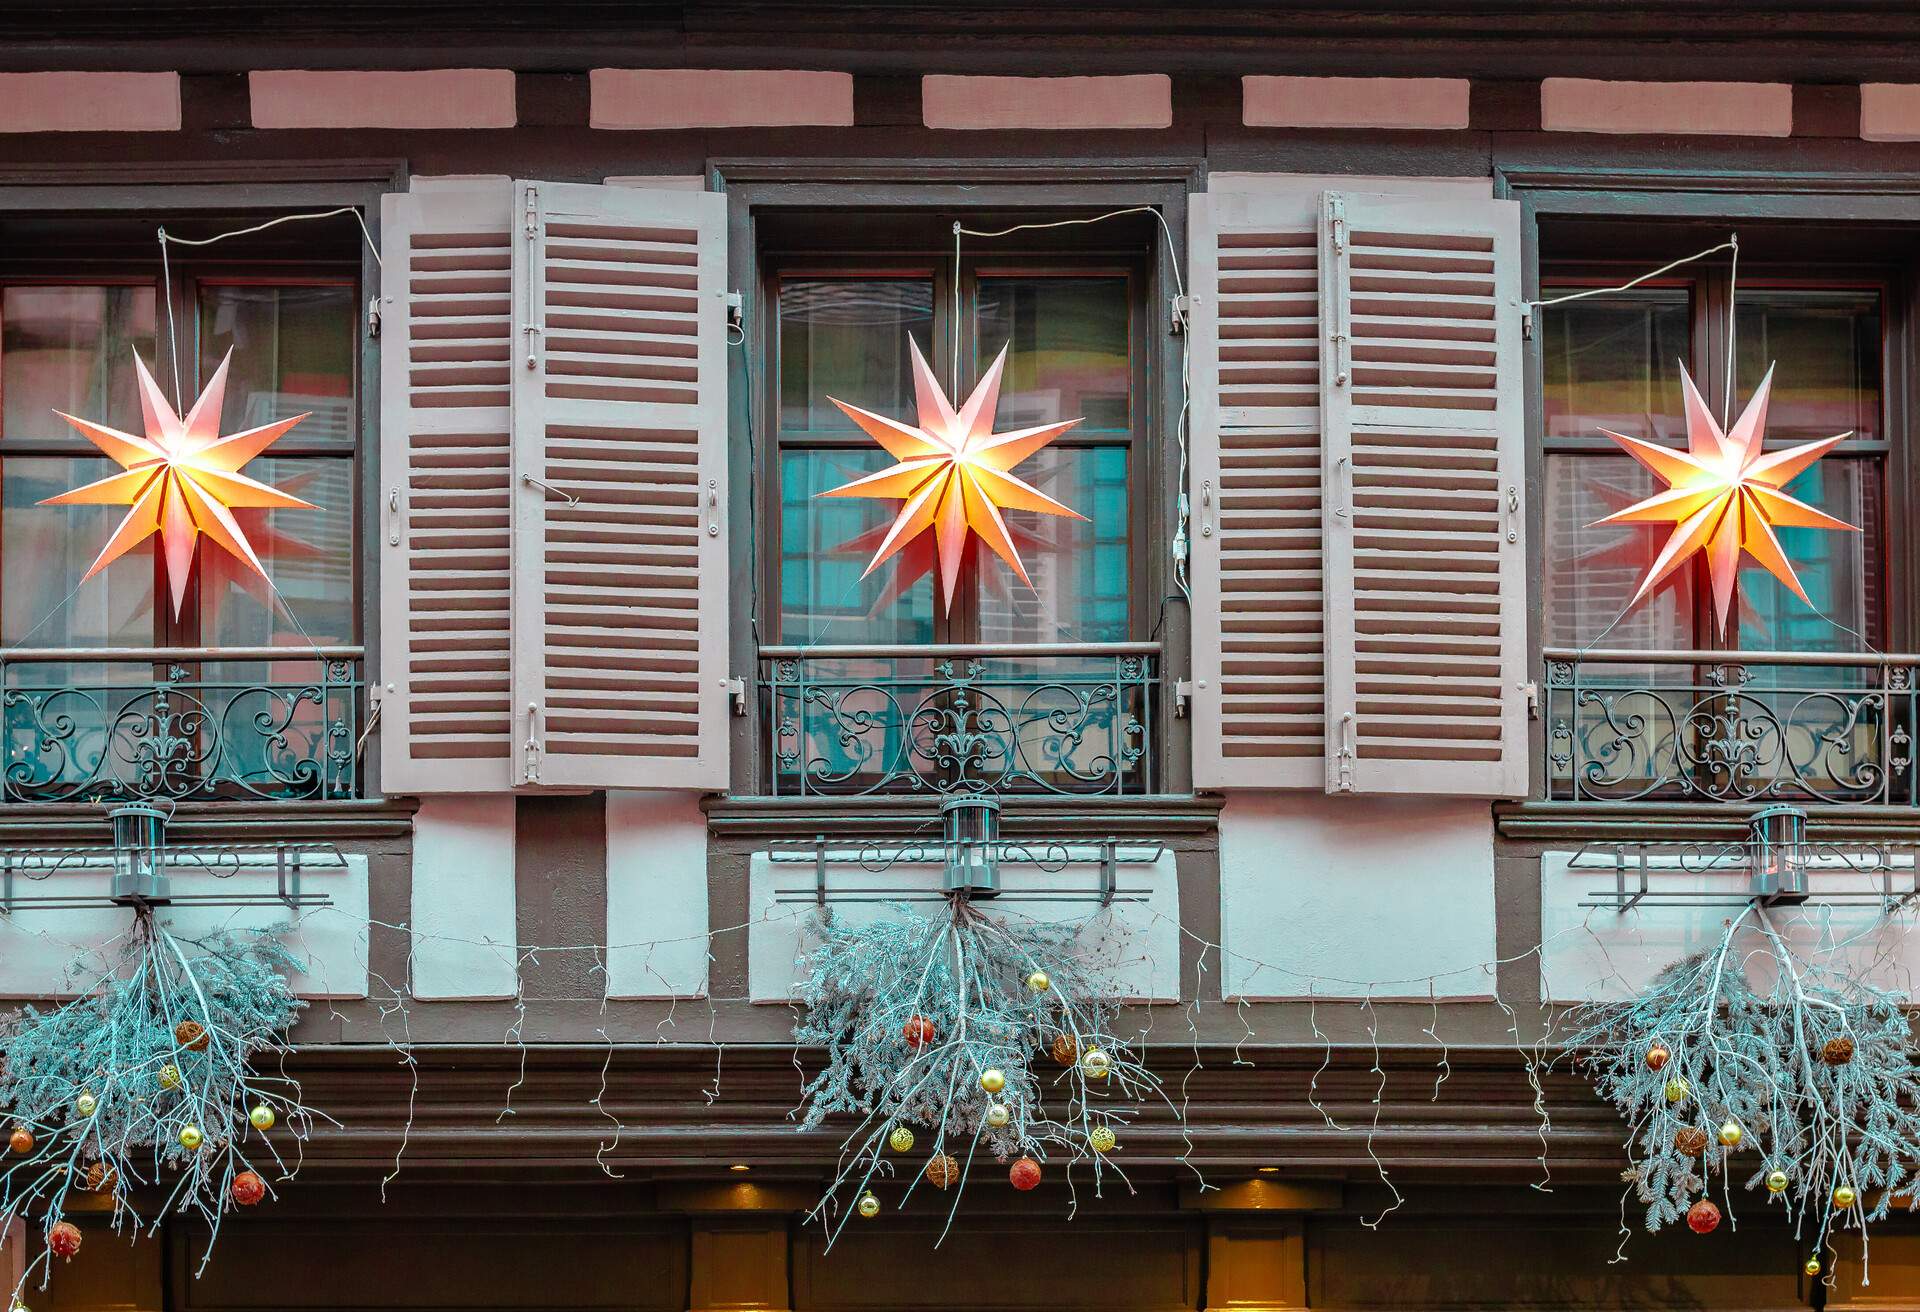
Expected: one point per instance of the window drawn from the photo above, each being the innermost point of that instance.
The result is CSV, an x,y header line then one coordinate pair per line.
x,y
67,343
1613,361
1073,326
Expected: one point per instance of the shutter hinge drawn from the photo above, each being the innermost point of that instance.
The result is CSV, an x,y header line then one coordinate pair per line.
x,y
736,311
1345,757
1531,691
1179,312
1182,696
532,748
736,689
373,316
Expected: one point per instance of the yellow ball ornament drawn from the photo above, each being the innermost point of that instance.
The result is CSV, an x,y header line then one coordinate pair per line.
x,y
1811,1266
993,1079
868,1206
1039,982
190,1137
998,1114
261,1117
901,1140
1730,1134
1776,1182
1095,1064
86,1104
169,1076
1843,1196
1677,1091
1102,1139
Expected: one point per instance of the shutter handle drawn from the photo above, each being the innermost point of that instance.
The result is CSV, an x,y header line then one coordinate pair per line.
x,y
1513,513
532,748
1343,487
393,516
713,507
1206,507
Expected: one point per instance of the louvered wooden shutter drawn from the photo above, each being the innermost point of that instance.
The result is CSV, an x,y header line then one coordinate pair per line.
x,y
445,424
1255,450
1421,399
620,548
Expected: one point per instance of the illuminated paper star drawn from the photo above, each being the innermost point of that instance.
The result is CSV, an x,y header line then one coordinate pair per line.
x,y
1723,497
953,473
181,480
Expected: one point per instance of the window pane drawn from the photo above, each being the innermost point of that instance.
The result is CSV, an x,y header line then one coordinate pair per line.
x,y
825,544
1614,362
1078,568
1827,347
1593,569
847,337
308,555
292,352
71,349
47,550
1840,571
1068,355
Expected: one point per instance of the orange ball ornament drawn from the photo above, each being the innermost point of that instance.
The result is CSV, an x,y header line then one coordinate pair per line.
x,y
64,1239
248,1188
1024,1174
21,1140
1657,1056
1703,1217
918,1032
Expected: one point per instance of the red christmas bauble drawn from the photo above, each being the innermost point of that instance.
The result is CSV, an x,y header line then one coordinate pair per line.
x,y
1703,1217
1024,1174
248,1188
21,1140
918,1032
64,1239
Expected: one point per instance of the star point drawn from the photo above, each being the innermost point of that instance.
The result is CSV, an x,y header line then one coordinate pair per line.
x,y
953,474
180,480
1723,497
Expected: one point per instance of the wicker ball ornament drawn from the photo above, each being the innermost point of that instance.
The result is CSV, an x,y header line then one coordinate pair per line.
x,y
1024,1174
1064,1049
1102,1139
900,1139
248,1188
1837,1051
101,1178
918,1032
1703,1217
1690,1140
63,1240
943,1170
169,1076
192,1035
1677,1091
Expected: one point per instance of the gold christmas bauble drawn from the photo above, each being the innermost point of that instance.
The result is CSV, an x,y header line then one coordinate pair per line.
x,y
993,1079
998,1115
1039,982
86,1104
1677,1091
901,1140
190,1137
1102,1139
1843,1196
261,1117
169,1076
1095,1064
1811,1266
868,1206
1730,1134
1776,1182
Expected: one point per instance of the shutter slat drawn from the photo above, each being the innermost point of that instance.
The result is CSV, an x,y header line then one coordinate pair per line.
x,y
446,422
621,617
1426,620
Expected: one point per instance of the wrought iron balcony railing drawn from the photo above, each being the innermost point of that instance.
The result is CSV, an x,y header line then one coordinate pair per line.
x,y
180,723
1731,726
1074,719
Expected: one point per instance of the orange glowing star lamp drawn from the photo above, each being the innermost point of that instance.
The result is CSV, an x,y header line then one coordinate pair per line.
x,y
181,480
1723,497
953,474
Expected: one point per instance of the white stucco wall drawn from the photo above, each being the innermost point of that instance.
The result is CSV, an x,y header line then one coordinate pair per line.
x,y
1147,918
60,952
465,917
1600,953
656,896
1315,890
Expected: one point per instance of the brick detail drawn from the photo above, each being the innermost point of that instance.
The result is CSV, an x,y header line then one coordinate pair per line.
x,y
1419,103
663,99
421,98
1734,109
1133,100
89,102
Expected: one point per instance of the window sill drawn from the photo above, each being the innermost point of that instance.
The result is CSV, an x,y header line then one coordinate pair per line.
x,y
1152,815
1537,820
31,823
